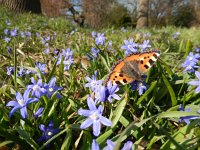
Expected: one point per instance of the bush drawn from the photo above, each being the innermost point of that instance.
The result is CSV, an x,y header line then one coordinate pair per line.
x,y
183,16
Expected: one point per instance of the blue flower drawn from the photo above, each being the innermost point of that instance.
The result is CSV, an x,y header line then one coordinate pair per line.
x,y
46,51
100,39
93,82
7,22
6,31
37,34
41,67
28,33
197,49
94,52
13,32
21,72
94,34
7,39
48,132
9,49
21,103
187,118
190,62
52,88
109,45
112,89
66,56
10,70
38,113
22,34
100,94
130,46
37,88
138,85
196,82
67,53
176,35
94,117
145,45
111,145
67,63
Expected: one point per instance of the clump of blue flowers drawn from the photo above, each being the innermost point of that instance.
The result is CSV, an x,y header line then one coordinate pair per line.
x,y
190,64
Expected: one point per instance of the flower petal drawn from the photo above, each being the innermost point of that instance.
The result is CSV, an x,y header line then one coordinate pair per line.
x,y
14,110
96,128
30,100
127,146
95,145
86,123
42,128
52,82
12,103
197,89
194,82
23,112
83,112
105,121
26,94
19,96
91,104
197,74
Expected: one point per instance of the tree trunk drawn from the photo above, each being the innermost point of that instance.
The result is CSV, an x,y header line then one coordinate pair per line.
x,y
142,21
22,5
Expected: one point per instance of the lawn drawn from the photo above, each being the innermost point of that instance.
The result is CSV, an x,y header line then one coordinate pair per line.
x,y
57,86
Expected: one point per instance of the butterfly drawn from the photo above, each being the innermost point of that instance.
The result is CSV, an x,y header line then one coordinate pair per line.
x,y
132,67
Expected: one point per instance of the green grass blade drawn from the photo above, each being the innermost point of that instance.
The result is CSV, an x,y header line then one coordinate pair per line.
x,y
188,48
153,85
27,138
170,89
118,111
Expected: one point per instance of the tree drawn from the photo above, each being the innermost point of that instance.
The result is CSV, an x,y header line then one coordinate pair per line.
x,y
143,14
22,5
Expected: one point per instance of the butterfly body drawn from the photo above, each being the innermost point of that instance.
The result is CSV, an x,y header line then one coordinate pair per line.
x,y
132,67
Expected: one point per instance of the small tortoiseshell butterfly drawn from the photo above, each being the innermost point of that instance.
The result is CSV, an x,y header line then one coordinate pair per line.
x,y
132,67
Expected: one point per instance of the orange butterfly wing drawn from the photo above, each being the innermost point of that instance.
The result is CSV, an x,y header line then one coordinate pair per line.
x,y
132,67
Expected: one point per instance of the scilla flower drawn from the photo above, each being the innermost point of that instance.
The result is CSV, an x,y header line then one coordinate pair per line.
x,y
95,117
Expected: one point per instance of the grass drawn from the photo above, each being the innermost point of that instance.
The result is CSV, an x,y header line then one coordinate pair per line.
x,y
150,120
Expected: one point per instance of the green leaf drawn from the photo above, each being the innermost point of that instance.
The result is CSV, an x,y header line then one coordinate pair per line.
x,y
180,136
118,111
4,143
6,94
27,138
67,141
170,89
103,60
54,137
188,48
154,140
177,114
153,85
130,130
181,46
104,136
53,71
